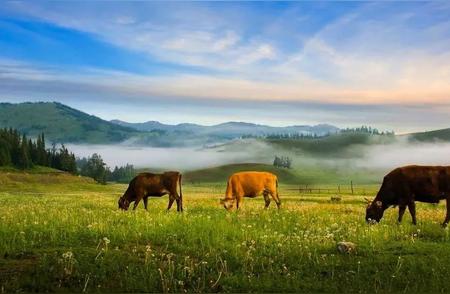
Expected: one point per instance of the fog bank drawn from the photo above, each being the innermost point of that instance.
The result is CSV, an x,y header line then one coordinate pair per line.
x,y
174,158
377,157
404,153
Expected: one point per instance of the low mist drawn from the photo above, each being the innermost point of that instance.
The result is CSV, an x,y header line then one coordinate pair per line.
x,y
403,153
174,158
381,157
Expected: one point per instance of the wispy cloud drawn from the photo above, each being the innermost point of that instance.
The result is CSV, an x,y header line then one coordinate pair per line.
x,y
383,54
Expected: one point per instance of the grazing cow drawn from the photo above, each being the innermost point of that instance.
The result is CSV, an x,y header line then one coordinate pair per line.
x,y
147,185
405,185
251,184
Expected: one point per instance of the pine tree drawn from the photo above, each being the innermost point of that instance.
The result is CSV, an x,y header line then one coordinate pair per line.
x,y
24,160
5,152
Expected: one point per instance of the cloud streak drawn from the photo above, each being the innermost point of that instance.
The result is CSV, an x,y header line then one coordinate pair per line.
x,y
385,54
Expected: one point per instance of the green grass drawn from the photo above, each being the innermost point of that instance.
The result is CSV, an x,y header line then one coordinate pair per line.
x,y
70,241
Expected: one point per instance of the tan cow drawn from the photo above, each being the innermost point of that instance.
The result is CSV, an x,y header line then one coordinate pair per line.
x,y
250,184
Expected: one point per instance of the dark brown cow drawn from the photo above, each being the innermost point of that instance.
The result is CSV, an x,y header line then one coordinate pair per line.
x,y
147,185
405,185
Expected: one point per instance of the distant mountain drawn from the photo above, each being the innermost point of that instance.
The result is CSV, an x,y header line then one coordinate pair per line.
x,y
157,126
229,130
61,123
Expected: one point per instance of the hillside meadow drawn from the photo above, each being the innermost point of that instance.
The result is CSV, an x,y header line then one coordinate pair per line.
x,y
64,233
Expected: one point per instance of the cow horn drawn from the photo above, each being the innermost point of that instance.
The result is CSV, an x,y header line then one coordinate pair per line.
x,y
367,200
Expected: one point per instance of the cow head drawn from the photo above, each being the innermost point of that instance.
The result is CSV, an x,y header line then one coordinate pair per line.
x,y
124,203
227,203
374,211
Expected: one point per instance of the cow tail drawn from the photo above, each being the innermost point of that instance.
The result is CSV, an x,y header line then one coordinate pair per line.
x,y
181,193
278,196
276,182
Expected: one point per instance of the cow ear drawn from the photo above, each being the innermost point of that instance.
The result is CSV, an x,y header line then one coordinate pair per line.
x,y
222,201
379,204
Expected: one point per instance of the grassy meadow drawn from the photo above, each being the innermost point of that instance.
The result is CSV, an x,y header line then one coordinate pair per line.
x,y
64,233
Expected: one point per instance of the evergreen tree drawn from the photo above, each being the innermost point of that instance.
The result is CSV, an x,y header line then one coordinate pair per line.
x,y
5,152
95,168
24,160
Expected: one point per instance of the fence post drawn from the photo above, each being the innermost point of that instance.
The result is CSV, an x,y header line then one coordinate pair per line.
x,y
339,189
351,185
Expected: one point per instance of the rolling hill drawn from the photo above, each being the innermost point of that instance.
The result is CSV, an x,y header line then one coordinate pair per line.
x,y
41,179
336,145
221,173
61,123
311,175
430,136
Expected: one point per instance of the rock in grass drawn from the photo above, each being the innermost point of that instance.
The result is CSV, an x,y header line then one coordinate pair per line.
x,y
346,247
336,198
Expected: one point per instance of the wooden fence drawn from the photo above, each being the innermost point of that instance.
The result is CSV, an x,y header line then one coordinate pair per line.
x,y
348,189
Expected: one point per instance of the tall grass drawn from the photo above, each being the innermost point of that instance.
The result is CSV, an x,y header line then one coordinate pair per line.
x,y
66,242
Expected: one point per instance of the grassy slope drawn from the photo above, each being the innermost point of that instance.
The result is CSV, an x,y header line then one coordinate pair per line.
x,y
310,175
57,243
437,135
333,145
46,180
61,123
221,173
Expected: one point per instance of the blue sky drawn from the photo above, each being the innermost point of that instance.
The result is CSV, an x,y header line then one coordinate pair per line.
x,y
386,64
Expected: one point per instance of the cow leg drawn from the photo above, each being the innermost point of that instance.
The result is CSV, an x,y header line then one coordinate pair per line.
x,y
276,198
447,217
412,211
171,200
266,199
145,202
238,202
179,203
139,195
136,202
401,212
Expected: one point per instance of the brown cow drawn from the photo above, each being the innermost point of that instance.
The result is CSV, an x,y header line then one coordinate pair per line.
x,y
147,185
251,184
405,185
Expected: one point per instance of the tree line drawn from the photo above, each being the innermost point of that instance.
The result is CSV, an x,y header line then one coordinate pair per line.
x,y
283,161
21,152
94,167
367,130
296,136
305,136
